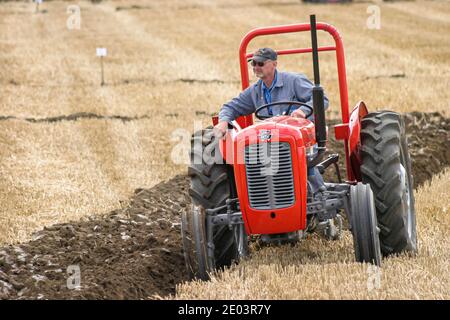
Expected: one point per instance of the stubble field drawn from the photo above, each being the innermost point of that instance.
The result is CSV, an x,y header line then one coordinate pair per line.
x,y
95,176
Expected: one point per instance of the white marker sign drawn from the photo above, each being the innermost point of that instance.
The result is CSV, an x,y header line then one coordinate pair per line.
x,y
38,1
101,52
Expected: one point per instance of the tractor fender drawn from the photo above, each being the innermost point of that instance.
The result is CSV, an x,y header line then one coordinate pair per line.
x,y
358,112
227,142
226,147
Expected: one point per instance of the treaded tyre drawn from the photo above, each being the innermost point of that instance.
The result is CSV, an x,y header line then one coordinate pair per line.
x,y
363,219
386,166
212,183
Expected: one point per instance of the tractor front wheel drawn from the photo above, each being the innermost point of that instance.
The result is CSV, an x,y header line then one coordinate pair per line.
x,y
363,220
212,184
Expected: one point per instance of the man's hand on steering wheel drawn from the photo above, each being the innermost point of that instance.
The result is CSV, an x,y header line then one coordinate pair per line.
x,y
298,114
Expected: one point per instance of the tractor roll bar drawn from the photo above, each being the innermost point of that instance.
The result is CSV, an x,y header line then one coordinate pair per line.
x,y
339,48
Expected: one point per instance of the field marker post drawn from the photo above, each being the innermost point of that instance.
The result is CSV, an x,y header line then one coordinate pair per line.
x,y
101,52
37,5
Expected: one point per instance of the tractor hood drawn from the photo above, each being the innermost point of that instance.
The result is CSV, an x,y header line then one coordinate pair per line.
x,y
301,131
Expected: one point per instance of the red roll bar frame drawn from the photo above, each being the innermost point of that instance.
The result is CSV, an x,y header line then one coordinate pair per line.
x,y
246,121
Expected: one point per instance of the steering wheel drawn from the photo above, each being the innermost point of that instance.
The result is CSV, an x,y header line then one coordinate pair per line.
x,y
291,103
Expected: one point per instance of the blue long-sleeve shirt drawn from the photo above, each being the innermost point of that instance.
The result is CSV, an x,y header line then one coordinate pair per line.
x,y
288,86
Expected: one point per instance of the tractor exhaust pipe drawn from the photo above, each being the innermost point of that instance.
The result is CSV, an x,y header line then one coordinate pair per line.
x,y
318,99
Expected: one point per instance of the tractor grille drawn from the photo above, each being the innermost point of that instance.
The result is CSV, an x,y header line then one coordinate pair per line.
x,y
269,175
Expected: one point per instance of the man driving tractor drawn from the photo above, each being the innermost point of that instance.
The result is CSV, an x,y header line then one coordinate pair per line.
x,y
243,196
272,86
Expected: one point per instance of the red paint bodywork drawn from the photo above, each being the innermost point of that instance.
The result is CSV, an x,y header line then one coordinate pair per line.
x,y
299,133
358,112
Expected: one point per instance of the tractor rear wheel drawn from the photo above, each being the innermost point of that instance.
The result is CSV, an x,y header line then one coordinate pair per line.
x,y
386,166
212,183
363,220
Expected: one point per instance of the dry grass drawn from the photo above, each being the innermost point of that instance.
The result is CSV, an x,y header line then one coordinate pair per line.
x,y
55,172
319,269
65,171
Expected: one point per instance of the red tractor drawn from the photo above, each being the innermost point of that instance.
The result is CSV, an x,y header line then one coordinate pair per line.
x,y
255,181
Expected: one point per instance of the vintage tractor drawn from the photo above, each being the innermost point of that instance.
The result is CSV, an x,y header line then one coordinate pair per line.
x,y
256,180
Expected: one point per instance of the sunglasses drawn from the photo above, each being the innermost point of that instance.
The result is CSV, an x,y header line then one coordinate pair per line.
x,y
259,64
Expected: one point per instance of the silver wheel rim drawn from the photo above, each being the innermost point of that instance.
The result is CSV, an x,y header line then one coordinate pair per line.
x,y
406,199
239,239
